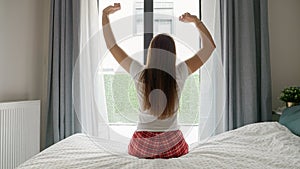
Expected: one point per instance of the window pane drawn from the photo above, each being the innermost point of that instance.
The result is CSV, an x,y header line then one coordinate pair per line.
x,y
131,14
163,25
120,94
139,17
121,98
166,13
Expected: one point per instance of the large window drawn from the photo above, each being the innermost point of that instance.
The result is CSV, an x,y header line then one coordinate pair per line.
x,y
118,84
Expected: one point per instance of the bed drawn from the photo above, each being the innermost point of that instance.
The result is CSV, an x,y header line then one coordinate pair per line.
x,y
267,145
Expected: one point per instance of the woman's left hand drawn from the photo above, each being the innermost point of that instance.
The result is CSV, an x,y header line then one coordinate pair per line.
x,y
111,9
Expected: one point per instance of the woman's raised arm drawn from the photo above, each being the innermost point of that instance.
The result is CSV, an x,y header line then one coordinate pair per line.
x,y
207,47
119,54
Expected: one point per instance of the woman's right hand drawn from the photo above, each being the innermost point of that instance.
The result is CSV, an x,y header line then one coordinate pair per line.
x,y
187,17
111,9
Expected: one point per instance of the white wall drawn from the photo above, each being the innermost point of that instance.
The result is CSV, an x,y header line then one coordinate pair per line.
x,y
24,40
23,48
284,26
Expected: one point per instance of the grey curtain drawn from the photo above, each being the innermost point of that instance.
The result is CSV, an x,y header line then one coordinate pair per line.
x,y
63,51
246,60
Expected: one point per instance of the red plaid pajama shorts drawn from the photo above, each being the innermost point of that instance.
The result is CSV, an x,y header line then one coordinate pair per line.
x,y
170,144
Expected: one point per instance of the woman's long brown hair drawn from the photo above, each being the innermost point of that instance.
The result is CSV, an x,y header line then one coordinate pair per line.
x,y
160,74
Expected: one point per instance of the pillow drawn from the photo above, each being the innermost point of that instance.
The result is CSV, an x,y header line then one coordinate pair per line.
x,y
290,118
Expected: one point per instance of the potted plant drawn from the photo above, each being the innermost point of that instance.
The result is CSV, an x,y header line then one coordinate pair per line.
x,y
291,96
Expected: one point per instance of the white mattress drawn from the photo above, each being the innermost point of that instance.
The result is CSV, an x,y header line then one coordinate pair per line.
x,y
260,145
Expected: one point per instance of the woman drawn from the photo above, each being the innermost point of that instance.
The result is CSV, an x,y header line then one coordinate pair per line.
x,y
159,86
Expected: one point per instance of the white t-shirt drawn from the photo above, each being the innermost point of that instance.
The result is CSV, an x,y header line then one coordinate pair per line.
x,y
147,121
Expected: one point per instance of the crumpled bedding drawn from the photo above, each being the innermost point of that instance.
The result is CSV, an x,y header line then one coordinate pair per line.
x,y
267,145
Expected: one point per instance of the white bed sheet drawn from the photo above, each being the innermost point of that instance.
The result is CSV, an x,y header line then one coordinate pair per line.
x,y
266,145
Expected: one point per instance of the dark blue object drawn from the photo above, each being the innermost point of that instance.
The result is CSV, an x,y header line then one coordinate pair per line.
x,y
291,119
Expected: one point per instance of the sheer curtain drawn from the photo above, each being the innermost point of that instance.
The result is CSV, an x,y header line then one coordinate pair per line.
x,y
212,88
88,87
88,82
